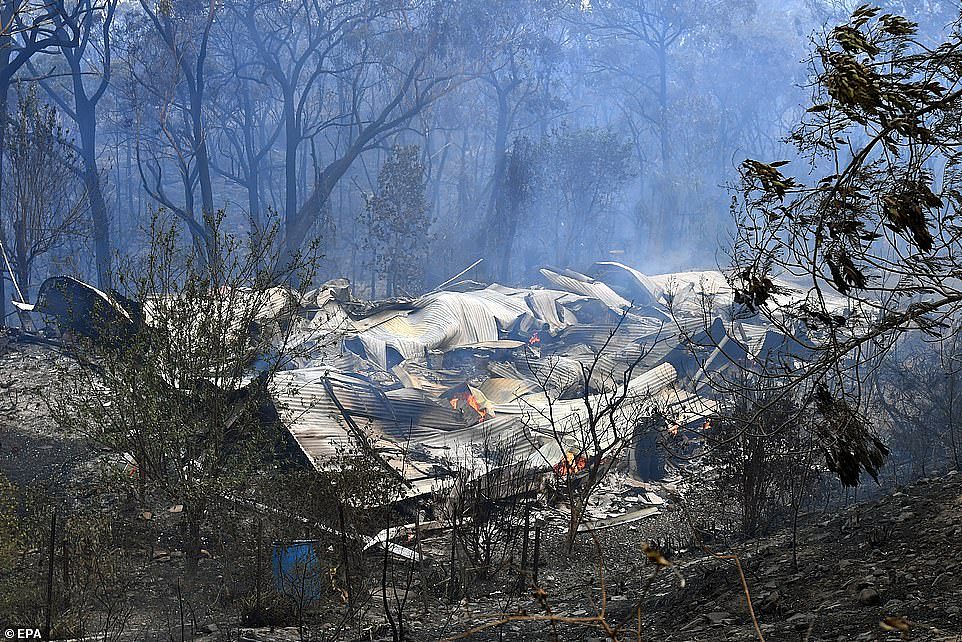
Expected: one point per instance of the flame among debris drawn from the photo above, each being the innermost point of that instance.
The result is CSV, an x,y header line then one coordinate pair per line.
x,y
469,399
571,465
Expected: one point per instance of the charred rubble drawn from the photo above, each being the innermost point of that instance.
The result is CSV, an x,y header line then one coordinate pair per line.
x,y
429,385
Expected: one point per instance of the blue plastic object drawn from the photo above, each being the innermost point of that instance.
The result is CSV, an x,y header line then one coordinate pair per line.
x,y
297,570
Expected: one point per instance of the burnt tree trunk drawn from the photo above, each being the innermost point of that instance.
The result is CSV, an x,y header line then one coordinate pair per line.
x,y
193,516
87,128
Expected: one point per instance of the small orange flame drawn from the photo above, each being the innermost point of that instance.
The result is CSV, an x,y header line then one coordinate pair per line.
x,y
570,465
473,403
534,339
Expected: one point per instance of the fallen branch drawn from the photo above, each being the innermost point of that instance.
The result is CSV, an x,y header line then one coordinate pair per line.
x,y
738,567
458,275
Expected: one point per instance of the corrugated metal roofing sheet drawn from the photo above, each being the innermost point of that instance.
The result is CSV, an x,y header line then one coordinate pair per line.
x,y
401,421
581,284
640,288
448,320
404,415
501,390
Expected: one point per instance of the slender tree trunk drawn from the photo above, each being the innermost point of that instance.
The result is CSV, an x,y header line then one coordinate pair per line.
x,y
373,274
663,109
290,156
7,10
21,258
87,126
254,205
129,180
298,225
192,515
202,159
575,505
494,233
203,170
4,92
507,244
666,205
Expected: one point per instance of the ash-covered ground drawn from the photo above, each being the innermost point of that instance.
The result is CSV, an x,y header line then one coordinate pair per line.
x,y
881,570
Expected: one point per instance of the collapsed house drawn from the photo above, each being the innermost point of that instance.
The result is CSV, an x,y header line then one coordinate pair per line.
x,y
430,386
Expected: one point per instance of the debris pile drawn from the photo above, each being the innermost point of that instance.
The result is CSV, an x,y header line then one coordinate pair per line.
x,y
431,385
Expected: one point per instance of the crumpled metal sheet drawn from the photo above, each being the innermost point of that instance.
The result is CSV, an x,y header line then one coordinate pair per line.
x,y
640,288
448,320
564,421
402,423
549,307
405,413
311,417
585,285
502,390
614,336
640,389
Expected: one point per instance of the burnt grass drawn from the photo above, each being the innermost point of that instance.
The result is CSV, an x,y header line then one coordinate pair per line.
x,y
897,557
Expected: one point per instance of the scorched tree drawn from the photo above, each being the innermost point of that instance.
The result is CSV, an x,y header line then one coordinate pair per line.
x,y
870,232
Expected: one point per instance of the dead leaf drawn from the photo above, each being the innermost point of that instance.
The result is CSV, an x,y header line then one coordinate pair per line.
x,y
895,624
655,556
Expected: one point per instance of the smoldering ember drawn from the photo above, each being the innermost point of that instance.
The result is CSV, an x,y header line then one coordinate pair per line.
x,y
457,320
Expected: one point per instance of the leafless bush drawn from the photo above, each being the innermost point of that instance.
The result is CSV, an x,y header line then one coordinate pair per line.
x,y
765,459
590,432
97,576
487,509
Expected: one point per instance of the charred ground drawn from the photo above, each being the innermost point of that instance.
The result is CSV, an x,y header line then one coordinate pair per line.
x,y
894,557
